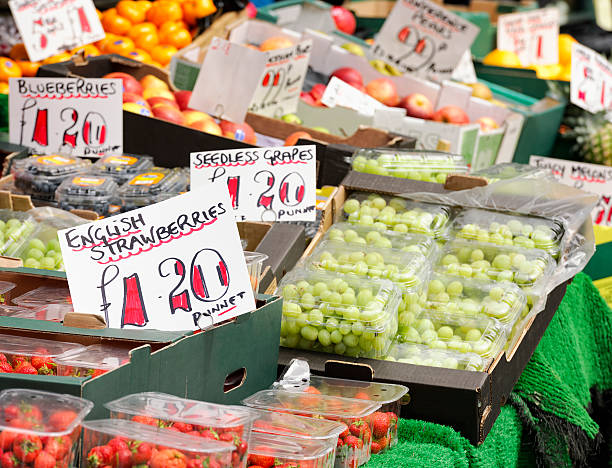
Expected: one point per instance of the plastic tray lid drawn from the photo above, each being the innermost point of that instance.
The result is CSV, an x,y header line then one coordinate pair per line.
x,y
54,165
12,344
18,312
98,356
316,405
50,312
291,448
382,393
44,295
291,425
87,186
6,286
172,408
122,165
410,160
136,431
49,404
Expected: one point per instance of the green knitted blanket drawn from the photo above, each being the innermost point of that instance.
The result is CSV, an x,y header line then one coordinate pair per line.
x,y
558,414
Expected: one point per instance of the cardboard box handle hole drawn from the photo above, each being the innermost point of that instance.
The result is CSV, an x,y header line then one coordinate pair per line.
x,y
234,380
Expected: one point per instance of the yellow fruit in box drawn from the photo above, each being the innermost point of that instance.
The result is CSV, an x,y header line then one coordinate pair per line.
x,y
482,91
502,58
565,48
548,72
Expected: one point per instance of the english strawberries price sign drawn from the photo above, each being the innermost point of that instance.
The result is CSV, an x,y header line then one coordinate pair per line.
x,y
591,80
73,116
175,265
49,27
265,184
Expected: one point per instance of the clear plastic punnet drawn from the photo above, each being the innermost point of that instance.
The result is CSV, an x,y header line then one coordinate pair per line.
x,y
528,232
42,249
300,427
484,336
119,442
355,414
429,166
88,192
254,262
15,227
40,429
231,424
421,355
51,312
397,214
122,168
27,355
474,298
150,187
40,176
377,236
92,361
530,269
506,171
43,295
5,288
286,451
340,314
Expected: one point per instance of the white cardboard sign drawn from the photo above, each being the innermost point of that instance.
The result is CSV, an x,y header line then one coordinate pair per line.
x,y
74,116
532,35
591,81
423,38
235,79
464,71
175,265
265,184
48,28
593,178
340,93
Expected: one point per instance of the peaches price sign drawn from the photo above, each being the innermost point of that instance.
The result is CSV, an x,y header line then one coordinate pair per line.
x,y
71,116
264,184
49,27
591,80
422,38
175,265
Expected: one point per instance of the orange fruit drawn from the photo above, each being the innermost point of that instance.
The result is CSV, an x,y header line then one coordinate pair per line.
x,y
61,57
179,38
147,41
141,28
163,53
99,13
28,68
144,5
565,48
140,55
101,44
121,46
90,50
116,24
204,8
189,13
164,10
9,69
168,27
18,52
4,87
502,58
130,10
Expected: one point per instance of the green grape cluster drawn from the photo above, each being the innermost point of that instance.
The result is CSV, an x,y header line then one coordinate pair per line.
x,y
43,256
420,355
12,234
336,314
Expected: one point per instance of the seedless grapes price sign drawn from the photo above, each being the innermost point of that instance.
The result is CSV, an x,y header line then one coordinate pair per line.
x,y
74,116
49,27
175,265
265,184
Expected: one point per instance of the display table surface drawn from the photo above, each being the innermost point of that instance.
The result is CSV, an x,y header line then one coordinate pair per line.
x,y
559,414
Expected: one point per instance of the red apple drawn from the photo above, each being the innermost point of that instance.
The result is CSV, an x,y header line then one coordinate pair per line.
x,y
317,93
239,132
151,81
418,106
349,75
344,19
383,90
295,136
161,100
276,42
182,99
208,126
168,113
192,116
451,114
308,99
153,92
130,84
487,124
133,97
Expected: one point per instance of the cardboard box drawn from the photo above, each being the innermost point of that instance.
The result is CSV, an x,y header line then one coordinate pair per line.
x,y
299,15
205,366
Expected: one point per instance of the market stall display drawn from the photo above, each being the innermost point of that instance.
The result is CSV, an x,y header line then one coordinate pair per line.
x,y
23,355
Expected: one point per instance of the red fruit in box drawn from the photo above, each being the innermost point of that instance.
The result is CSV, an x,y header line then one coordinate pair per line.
x,y
380,424
5,367
100,456
313,390
27,447
118,443
61,420
141,452
6,440
25,368
167,458
9,460
148,420
353,442
376,448
358,428
44,460
344,19
383,90
340,442
135,98
392,417
295,136
317,92
122,458
418,106
451,114
239,132
58,446
209,434
182,99
348,75
383,442
156,100
308,99
192,116
168,113
39,361
208,126
183,427
130,84
3,358
265,461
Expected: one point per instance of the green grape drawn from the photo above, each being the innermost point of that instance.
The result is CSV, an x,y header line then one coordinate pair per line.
x,y
35,253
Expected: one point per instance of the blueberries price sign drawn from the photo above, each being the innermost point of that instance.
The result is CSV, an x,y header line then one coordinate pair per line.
x,y
175,265
265,184
49,27
73,116
423,38
591,81
532,35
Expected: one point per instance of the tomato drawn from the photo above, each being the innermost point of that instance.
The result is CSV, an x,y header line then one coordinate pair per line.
x,y
168,458
27,447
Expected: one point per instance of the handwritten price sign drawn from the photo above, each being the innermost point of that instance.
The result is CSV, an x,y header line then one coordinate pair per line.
x,y
339,93
591,81
265,184
423,38
175,265
49,27
75,116
533,35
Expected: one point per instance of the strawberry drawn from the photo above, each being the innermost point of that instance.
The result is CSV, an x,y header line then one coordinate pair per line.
x,y
122,458
61,420
353,442
241,446
58,446
312,390
193,433
6,367
358,428
141,452
145,420
345,432
118,443
40,361
265,461
25,368
6,440
392,417
9,460
44,460
99,456
27,447
340,442
380,424
227,437
45,370
183,427
288,465
376,448
383,442
3,358
209,434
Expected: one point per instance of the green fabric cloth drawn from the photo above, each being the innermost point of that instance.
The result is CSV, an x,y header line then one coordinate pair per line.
x,y
547,421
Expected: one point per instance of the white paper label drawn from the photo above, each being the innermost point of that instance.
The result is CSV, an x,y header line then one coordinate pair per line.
x,y
175,265
75,116
340,93
50,27
532,35
464,71
265,184
591,81
593,178
423,38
